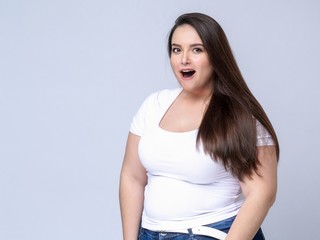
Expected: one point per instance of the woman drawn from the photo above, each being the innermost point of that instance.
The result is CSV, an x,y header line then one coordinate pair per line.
x,y
202,157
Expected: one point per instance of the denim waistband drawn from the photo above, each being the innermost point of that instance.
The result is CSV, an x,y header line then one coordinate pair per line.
x,y
146,234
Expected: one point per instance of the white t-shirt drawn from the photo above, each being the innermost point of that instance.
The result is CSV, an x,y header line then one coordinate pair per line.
x,y
186,188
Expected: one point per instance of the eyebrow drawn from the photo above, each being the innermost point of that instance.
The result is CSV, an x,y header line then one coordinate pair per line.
x,y
191,45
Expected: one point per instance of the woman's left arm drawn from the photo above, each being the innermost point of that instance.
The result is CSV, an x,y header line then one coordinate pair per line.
x,y
260,193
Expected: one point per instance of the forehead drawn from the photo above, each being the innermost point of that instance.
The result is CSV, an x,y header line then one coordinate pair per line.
x,y
185,34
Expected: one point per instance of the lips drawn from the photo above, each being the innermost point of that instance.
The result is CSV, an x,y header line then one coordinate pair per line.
x,y
187,73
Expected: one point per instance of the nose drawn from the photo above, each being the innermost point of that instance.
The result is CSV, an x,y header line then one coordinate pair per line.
x,y
185,58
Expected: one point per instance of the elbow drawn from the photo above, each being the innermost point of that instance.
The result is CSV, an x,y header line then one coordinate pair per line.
x,y
264,199
272,199
269,198
271,194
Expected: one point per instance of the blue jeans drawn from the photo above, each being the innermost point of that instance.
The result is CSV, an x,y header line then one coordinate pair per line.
x,y
224,225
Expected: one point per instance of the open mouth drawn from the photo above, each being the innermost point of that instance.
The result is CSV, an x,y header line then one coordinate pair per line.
x,y
187,73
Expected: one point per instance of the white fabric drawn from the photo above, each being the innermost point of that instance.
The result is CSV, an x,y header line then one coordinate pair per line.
x,y
186,188
203,231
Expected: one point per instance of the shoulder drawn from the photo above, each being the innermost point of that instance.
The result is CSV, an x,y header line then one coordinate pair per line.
x,y
152,110
163,97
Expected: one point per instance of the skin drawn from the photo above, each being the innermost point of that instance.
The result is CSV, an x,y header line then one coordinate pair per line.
x,y
133,179
188,53
185,114
260,192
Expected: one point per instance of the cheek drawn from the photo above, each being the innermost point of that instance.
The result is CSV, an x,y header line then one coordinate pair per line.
x,y
208,67
171,62
174,63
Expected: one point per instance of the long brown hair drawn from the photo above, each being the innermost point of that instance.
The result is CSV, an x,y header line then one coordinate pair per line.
x,y
228,128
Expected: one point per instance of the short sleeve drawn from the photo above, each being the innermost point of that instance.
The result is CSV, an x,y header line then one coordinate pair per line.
x,y
152,109
264,138
138,121
145,115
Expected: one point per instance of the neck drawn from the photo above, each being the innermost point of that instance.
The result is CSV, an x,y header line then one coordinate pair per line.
x,y
199,96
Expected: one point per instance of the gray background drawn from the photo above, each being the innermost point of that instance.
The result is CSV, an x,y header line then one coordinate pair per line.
x,y
73,73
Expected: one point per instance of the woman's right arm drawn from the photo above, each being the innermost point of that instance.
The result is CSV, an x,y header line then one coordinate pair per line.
x,y
133,180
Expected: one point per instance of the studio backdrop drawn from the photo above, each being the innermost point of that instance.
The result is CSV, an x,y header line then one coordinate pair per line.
x,y
73,74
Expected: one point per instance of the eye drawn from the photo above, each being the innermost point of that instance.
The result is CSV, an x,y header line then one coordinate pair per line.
x,y
197,50
176,50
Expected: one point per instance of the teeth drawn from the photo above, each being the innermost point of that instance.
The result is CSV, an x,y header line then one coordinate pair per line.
x,y
187,73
